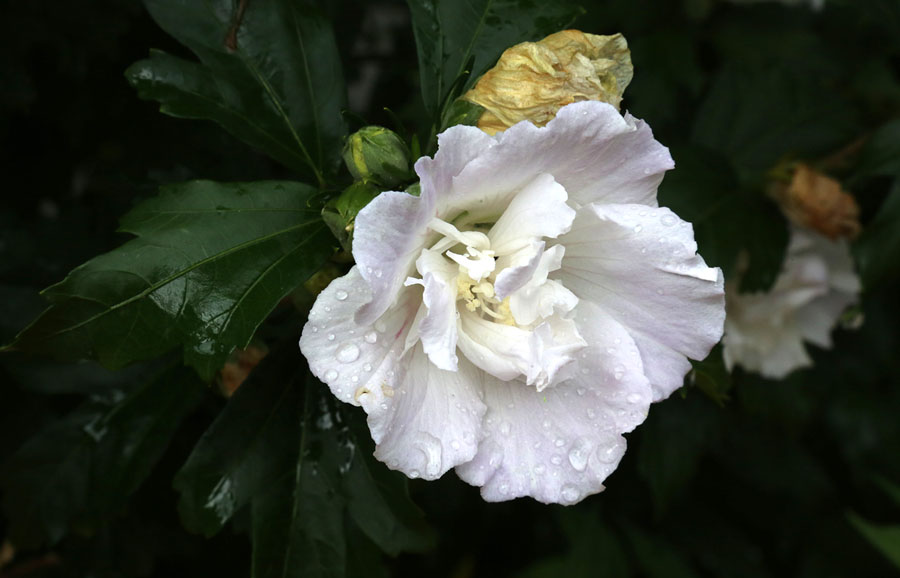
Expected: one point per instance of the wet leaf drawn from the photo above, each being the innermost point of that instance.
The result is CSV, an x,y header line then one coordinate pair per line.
x,y
81,469
210,262
269,73
451,33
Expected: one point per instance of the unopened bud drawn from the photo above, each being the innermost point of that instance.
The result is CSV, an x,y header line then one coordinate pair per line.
x,y
376,154
533,80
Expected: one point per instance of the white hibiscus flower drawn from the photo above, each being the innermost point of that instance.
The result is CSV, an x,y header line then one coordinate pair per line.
x,y
764,331
519,316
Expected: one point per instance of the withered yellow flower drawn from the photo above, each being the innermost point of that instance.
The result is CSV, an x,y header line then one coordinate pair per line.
x,y
533,80
816,201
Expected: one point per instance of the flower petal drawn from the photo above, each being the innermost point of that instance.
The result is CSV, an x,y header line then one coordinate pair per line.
x,y
559,445
590,149
437,329
350,358
540,297
431,419
539,210
640,265
389,235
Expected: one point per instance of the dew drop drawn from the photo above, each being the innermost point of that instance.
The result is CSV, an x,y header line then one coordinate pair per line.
x,y
354,379
556,460
505,428
539,469
454,444
380,326
668,220
327,309
378,273
610,349
367,367
578,455
569,494
504,489
633,398
546,424
414,474
340,295
331,337
315,329
591,413
607,455
638,228
348,353
580,391
559,442
431,448
371,337
331,375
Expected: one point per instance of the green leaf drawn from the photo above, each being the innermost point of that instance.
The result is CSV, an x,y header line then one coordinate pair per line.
x,y
880,156
885,539
269,73
878,246
455,37
82,468
298,526
711,377
727,220
461,112
758,116
210,262
377,498
247,449
656,556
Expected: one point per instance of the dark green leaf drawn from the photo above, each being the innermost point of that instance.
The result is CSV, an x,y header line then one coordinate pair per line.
x,y
878,247
703,190
377,498
461,112
656,556
672,441
210,262
759,116
880,156
711,377
298,525
452,33
247,449
886,539
83,467
269,73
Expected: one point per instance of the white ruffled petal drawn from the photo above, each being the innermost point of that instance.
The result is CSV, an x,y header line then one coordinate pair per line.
x,y
541,297
437,329
350,358
518,268
559,445
390,233
640,265
425,420
595,153
538,211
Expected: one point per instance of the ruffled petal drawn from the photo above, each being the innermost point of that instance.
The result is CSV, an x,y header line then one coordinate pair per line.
x,y
518,269
640,265
541,297
559,445
426,420
437,330
590,149
390,233
538,211
353,359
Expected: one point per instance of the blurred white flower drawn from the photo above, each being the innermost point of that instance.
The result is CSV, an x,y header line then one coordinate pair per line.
x,y
521,314
764,332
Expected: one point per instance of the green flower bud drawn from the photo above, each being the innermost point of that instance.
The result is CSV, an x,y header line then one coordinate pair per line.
x,y
340,212
374,153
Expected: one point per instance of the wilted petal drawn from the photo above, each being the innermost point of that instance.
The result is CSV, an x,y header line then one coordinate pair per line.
x,y
425,420
640,265
559,445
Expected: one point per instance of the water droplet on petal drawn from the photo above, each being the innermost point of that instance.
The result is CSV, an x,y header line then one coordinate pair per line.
x,y
591,413
504,489
607,455
371,337
578,455
546,424
539,469
367,367
454,444
556,460
331,337
430,446
660,291
505,428
569,494
414,474
633,398
331,375
380,326
347,353
340,295
559,442
668,220
638,228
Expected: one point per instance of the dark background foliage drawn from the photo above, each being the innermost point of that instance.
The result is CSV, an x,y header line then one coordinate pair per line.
x,y
732,476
